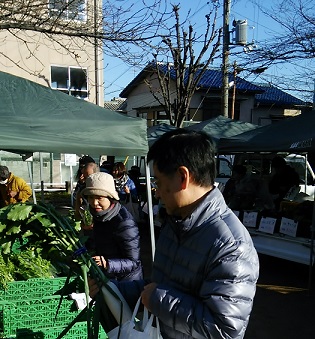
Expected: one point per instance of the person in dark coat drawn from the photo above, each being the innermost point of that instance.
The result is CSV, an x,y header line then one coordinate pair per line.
x,y
115,233
283,178
246,191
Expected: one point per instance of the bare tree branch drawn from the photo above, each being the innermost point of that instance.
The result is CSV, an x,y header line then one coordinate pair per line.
x,y
116,24
293,44
178,80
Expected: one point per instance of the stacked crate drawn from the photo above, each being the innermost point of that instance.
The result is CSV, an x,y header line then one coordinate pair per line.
x,y
31,309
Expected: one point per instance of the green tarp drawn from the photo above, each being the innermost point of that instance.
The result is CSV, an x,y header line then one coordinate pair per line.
x,y
294,135
35,118
154,132
218,127
221,127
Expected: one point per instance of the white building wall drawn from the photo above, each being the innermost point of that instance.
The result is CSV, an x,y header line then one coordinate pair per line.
x,y
246,109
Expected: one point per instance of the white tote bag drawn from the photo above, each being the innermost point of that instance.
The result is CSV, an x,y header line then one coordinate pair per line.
x,y
136,329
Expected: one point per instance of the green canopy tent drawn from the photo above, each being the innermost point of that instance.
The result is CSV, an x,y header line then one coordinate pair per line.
x,y
221,127
154,132
293,135
35,118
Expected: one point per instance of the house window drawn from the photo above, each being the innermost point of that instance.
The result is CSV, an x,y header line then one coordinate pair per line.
x,y
70,80
68,9
143,115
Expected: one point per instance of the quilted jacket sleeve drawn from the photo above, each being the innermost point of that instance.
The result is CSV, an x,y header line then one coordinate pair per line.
x,y
128,240
224,303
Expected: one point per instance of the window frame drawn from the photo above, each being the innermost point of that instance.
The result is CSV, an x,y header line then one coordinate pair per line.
x,y
65,13
68,85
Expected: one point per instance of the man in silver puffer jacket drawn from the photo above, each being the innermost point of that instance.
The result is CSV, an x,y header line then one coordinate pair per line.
x,y
205,268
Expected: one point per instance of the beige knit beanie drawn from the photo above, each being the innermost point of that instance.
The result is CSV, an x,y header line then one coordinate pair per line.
x,y
101,184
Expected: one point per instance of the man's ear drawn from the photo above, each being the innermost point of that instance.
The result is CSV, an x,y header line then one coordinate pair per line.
x,y
184,176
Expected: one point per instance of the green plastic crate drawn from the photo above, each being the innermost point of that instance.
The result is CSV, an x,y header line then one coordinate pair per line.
x,y
35,314
33,288
77,331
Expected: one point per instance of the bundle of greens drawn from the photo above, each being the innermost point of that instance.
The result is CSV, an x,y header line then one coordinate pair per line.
x,y
6,272
24,265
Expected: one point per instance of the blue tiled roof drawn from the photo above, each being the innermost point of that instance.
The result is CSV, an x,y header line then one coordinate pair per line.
x,y
211,79
274,95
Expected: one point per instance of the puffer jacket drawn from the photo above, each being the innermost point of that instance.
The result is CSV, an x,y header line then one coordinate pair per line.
x,y
118,241
206,269
18,185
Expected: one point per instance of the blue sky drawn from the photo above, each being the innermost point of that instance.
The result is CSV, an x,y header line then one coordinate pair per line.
x,y
261,28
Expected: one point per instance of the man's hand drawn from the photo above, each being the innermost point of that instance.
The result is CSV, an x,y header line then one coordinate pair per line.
x,y
146,294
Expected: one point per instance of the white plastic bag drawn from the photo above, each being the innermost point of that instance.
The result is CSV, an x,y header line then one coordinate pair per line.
x,y
136,329
114,305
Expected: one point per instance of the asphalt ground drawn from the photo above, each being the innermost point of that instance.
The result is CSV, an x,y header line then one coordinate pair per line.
x,y
284,305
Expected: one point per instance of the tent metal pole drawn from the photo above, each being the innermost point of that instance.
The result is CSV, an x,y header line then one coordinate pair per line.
x,y
311,250
150,207
71,185
41,167
31,180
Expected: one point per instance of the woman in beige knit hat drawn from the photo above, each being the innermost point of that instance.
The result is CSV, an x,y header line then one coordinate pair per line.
x,y
115,232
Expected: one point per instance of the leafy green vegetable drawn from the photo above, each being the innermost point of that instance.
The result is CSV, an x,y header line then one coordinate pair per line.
x,y
88,218
29,264
6,272
24,265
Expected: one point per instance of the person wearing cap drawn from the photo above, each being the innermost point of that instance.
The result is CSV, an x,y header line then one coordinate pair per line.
x,y
12,188
115,232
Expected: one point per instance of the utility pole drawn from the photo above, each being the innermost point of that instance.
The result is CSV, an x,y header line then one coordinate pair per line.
x,y
225,59
96,51
234,90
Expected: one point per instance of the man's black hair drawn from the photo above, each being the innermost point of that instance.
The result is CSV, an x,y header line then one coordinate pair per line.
x,y
86,159
182,147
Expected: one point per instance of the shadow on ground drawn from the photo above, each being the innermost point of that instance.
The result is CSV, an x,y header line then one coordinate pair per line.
x,y
285,301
